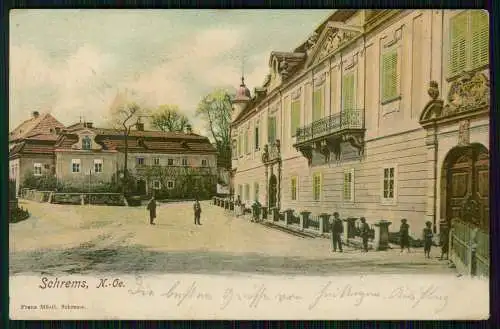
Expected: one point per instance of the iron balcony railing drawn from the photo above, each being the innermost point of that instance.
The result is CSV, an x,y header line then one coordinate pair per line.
x,y
347,119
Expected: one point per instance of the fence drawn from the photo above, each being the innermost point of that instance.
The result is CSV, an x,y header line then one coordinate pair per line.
x,y
469,248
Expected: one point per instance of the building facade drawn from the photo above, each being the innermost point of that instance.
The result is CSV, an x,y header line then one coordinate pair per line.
x,y
380,113
83,157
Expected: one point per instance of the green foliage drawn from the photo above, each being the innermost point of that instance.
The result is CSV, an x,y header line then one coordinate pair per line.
x,y
169,118
215,108
18,215
45,182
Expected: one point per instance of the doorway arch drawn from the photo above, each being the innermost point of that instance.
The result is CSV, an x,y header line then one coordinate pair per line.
x,y
465,185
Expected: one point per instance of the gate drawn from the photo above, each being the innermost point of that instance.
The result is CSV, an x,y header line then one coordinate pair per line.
x,y
469,248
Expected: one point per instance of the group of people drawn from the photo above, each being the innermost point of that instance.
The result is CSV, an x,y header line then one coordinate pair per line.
x,y
152,211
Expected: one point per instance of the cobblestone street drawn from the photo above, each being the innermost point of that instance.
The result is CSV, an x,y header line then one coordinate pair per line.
x,y
92,239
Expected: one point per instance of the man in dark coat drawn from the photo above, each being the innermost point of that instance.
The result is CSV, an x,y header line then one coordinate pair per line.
x,y
404,235
197,212
364,232
337,230
428,235
152,210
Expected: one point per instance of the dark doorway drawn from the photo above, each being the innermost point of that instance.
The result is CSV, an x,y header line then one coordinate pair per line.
x,y
141,187
465,185
273,188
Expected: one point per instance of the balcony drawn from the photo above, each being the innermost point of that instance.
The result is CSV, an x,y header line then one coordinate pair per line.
x,y
326,135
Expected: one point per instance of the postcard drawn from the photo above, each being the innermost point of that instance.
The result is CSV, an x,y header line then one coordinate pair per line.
x,y
249,164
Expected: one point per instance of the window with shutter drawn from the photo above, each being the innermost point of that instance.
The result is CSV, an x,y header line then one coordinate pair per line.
x,y
389,76
479,38
271,130
348,92
247,144
256,133
318,104
458,43
295,117
316,186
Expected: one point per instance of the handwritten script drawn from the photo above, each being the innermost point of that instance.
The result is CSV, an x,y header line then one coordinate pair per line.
x,y
262,294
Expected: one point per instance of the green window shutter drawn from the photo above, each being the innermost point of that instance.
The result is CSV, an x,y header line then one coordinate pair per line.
x,y
348,92
390,75
295,117
347,186
256,133
459,26
317,104
271,129
479,38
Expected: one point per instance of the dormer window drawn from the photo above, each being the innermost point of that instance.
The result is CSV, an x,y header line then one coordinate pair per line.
x,y
86,143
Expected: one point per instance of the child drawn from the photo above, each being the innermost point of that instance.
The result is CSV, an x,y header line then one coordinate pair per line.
x,y
365,231
404,235
428,239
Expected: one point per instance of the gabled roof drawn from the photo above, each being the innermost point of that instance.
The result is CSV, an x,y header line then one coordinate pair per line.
x,y
32,146
34,126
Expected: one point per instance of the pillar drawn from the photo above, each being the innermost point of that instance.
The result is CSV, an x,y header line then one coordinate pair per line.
x,y
324,223
381,240
288,216
431,167
349,227
304,217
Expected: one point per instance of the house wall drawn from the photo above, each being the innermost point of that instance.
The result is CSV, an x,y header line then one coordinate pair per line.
x,y
64,167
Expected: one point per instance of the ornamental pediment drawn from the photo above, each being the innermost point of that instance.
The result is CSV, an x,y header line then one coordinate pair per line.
x,y
334,36
86,141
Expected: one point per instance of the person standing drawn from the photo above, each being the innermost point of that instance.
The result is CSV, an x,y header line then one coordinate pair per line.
x,y
197,212
237,205
337,230
404,235
364,232
152,210
428,235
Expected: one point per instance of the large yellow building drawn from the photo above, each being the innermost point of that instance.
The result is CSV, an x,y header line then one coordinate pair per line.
x,y
380,113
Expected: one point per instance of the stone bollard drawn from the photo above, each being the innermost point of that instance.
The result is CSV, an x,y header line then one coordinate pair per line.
x,y
381,240
288,216
82,200
324,223
304,218
231,205
214,200
275,214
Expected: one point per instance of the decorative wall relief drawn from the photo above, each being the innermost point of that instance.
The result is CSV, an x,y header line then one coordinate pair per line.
x,y
468,93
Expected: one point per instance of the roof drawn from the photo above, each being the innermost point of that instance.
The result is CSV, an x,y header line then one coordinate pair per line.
x,y
43,124
32,147
142,141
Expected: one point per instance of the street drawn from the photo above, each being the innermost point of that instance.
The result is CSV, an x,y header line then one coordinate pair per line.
x,y
65,239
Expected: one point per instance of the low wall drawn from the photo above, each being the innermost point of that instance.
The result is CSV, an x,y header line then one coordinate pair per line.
x,y
109,199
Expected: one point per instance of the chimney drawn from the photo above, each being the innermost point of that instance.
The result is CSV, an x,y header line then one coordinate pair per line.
x,y
139,126
189,130
35,114
88,124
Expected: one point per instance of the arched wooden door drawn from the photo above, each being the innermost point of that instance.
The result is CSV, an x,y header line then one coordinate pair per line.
x,y
467,185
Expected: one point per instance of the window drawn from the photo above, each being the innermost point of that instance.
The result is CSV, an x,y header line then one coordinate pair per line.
x,y
469,41
316,187
204,162
97,165
348,191
75,165
184,161
247,192
156,161
293,188
170,184
240,145
389,75
256,190
389,184
139,161
37,169
235,148
156,184
170,162
318,104
256,137
247,141
271,130
348,103
295,117
240,191
86,143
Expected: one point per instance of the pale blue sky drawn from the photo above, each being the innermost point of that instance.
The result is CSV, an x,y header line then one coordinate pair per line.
x,y
73,62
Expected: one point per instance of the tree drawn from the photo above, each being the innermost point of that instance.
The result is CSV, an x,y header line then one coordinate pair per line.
x,y
169,118
215,109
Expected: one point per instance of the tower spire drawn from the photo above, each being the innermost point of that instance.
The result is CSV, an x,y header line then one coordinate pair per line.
x,y
242,69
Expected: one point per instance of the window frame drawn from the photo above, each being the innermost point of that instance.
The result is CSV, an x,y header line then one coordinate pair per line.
x,y
35,166
96,162
170,162
138,163
204,162
85,139
154,184
156,161
343,107
321,90
294,193
387,200
76,162
168,184
256,131
350,172
293,132
184,162
320,192
394,50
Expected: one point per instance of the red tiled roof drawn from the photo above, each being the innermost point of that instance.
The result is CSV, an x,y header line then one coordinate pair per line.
x,y
29,146
35,126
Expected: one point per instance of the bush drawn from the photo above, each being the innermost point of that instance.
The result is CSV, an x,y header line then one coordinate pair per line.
x,y
18,214
45,182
